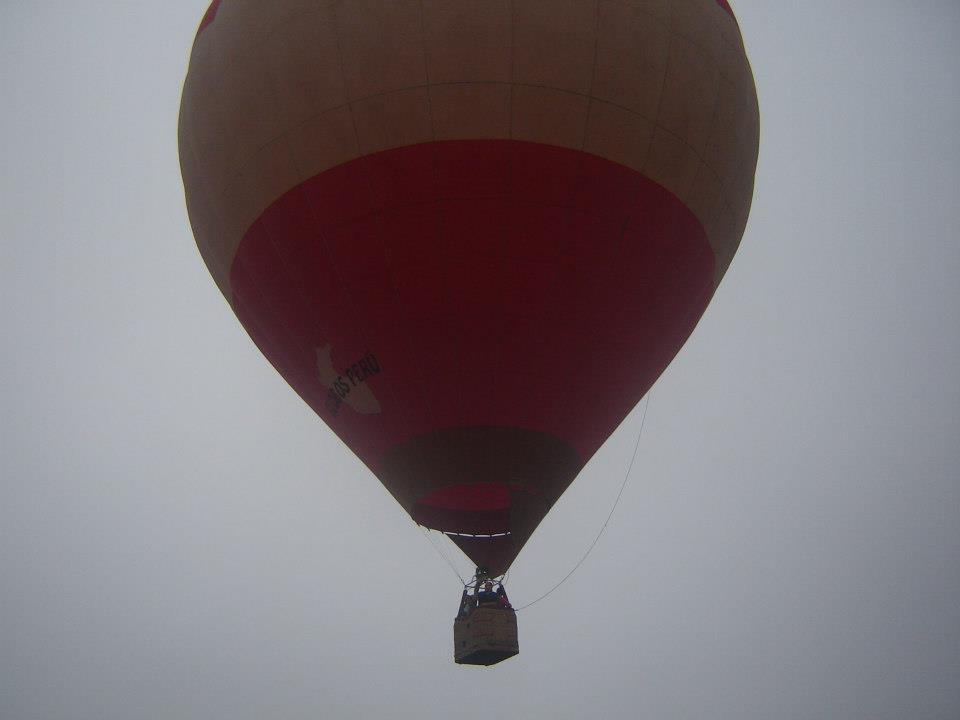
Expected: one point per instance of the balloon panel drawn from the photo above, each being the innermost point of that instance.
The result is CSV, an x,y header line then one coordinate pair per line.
x,y
469,235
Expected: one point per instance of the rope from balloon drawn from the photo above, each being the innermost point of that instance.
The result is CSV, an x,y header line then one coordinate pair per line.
x,y
606,522
426,533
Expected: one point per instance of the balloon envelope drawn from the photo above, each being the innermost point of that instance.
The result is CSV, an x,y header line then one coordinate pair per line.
x,y
470,235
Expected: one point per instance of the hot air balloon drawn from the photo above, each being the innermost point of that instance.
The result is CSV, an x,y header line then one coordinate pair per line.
x,y
470,235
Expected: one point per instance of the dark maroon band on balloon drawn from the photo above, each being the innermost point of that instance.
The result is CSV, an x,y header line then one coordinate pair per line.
x,y
472,509
515,300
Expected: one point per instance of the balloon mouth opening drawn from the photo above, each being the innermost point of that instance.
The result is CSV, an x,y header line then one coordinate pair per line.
x,y
467,509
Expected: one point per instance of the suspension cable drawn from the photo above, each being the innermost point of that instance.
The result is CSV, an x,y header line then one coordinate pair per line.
x,y
426,533
606,522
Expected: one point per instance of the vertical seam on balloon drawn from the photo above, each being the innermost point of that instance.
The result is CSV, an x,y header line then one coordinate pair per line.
x,y
426,73
663,83
593,74
586,122
512,147
511,152
513,61
711,134
511,156
580,161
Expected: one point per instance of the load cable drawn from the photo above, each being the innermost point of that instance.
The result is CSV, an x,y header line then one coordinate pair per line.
x,y
616,502
426,532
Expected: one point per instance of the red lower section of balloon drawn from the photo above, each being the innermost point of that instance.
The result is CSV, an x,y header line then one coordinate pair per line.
x,y
485,283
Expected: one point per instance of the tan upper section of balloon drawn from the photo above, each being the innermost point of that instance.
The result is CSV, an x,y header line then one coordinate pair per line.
x,y
280,91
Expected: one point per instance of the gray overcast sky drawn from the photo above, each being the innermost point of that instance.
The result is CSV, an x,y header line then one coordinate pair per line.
x,y
181,538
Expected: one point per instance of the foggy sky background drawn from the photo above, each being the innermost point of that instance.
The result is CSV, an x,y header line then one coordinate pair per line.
x,y
180,537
